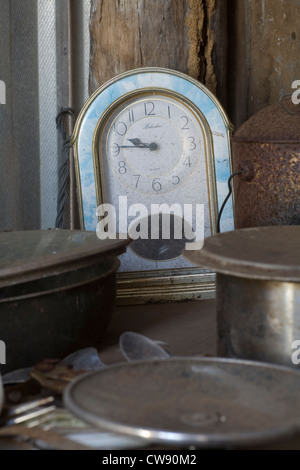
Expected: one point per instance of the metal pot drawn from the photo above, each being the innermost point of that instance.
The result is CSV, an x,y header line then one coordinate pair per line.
x,y
257,320
258,291
57,293
266,149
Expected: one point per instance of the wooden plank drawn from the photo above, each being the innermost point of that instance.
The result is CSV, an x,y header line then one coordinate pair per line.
x,y
185,35
264,45
127,34
219,54
238,61
274,51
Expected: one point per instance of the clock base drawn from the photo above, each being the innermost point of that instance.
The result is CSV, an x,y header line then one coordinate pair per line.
x,y
166,286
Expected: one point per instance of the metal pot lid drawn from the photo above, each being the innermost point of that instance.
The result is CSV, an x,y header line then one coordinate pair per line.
x,y
210,403
263,253
29,255
272,124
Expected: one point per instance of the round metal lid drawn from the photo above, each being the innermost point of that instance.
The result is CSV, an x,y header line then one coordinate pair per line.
x,y
28,255
265,253
210,403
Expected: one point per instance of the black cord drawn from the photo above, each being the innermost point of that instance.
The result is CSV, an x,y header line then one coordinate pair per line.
x,y
238,173
63,175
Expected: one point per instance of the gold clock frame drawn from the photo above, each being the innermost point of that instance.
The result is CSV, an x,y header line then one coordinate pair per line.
x,y
163,285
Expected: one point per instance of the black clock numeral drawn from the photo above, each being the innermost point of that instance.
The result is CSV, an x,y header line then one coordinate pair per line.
x,y
176,181
122,168
169,112
116,150
156,185
138,177
186,125
149,109
193,145
187,162
130,115
120,128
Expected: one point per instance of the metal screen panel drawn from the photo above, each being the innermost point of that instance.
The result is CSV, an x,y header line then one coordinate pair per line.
x,y
36,67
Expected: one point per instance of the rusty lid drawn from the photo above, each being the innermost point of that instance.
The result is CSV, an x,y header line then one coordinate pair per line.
x,y
29,255
263,253
272,124
203,402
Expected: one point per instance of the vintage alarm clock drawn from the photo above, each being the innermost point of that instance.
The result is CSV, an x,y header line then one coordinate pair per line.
x,y
152,155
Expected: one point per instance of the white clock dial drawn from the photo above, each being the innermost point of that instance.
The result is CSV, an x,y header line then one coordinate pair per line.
x,y
152,154
153,143
152,150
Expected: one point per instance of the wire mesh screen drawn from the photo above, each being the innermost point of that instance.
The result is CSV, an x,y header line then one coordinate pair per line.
x,y
36,66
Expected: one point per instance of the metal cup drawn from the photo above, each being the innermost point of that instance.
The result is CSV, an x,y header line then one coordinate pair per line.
x,y
258,320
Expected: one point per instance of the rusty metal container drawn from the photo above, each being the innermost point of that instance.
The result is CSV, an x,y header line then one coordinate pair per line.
x,y
267,150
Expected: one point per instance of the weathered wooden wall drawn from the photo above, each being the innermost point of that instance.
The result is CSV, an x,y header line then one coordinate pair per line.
x,y
264,51
185,35
134,33
245,51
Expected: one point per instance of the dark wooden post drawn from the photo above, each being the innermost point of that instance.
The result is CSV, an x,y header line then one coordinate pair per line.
x,y
263,62
186,35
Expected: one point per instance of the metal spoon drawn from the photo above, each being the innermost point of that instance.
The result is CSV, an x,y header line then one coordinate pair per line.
x,y
136,347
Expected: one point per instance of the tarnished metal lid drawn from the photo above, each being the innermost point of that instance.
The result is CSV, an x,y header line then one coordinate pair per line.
x,y
265,253
28,255
271,125
209,403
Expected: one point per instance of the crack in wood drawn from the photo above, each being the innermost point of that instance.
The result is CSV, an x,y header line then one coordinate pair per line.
x,y
201,39
203,44
140,34
101,10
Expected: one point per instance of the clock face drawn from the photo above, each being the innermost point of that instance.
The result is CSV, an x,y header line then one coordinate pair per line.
x,y
153,143
152,151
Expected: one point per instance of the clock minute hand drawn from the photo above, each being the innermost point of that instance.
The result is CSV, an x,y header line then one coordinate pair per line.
x,y
131,147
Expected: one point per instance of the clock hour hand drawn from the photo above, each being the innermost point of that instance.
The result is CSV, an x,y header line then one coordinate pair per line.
x,y
138,143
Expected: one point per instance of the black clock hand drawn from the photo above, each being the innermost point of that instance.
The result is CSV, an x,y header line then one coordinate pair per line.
x,y
132,147
137,143
152,147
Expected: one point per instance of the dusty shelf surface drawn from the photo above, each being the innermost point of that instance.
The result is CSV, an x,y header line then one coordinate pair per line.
x,y
189,328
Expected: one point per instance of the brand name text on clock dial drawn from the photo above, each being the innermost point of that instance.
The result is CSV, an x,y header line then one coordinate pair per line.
x,y
156,222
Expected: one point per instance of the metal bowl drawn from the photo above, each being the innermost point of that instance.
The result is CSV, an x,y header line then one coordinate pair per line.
x,y
52,305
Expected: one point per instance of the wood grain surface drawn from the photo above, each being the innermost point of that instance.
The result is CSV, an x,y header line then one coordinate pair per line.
x,y
189,36
138,33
